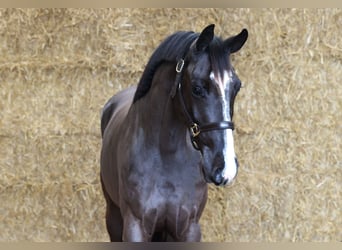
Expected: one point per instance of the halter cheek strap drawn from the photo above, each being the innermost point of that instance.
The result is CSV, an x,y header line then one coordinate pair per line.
x,y
194,128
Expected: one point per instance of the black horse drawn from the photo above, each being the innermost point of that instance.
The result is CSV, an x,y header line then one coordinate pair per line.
x,y
165,139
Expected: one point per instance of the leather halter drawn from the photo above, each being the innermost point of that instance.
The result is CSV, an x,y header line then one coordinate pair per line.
x,y
194,128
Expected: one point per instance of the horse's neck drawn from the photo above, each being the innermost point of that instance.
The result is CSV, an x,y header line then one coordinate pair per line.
x,y
157,116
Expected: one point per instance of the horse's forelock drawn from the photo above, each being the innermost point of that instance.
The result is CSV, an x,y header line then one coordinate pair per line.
x,y
219,57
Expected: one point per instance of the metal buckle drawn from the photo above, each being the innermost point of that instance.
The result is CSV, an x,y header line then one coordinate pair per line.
x,y
180,66
195,130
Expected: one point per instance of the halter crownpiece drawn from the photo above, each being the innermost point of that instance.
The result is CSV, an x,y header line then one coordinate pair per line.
x,y
194,128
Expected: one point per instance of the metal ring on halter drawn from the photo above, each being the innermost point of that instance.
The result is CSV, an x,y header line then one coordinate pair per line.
x,y
180,66
195,130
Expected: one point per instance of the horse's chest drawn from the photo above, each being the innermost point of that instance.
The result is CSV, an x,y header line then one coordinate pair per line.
x,y
164,199
172,218
172,208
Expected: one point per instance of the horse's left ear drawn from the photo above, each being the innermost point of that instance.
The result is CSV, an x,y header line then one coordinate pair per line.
x,y
205,38
235,43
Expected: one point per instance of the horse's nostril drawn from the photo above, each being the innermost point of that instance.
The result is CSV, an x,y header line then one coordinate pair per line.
x,y
218,178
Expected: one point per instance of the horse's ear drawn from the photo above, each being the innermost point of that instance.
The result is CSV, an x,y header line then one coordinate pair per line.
x,y
235,43
205,38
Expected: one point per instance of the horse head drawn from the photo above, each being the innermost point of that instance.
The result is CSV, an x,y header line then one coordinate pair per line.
x,y
206,85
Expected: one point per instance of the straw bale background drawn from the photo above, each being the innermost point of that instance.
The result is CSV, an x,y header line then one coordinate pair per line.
x,y
58,67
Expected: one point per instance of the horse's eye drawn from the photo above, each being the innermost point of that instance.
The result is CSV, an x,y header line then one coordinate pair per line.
x,y
198,91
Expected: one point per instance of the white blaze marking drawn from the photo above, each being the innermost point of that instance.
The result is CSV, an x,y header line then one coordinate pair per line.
x,y
230,169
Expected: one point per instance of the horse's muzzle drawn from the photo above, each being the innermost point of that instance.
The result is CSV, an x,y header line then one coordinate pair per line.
x,y
222,176
218,178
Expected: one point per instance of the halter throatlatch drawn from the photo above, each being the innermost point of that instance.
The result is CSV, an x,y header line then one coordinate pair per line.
x,y
194,128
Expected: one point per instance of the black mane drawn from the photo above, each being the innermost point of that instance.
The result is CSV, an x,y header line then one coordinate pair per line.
x,y
171,49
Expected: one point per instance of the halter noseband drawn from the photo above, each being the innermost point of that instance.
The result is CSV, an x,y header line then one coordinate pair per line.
x,y
194,128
